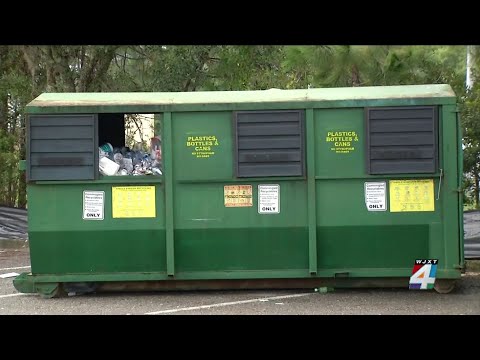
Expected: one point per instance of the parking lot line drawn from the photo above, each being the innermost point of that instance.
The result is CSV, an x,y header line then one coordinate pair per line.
x,y
228,303
16,267
11,295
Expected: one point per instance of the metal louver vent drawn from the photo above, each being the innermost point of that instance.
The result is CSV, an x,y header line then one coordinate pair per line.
x,y
402,140
61,147
269,143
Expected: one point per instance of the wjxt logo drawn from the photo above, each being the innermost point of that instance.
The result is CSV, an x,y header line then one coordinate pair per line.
x,y
423,274
425,261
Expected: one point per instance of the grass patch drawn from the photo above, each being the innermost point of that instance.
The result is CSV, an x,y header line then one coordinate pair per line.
x,y
473,265
469,207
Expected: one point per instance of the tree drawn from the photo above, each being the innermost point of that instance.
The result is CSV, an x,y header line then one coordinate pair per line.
x,y
470,116
346,65
27,71
247,68
162,68
333,66
196,68
14,94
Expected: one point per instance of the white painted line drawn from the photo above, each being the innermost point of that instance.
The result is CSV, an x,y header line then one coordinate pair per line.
x,y
11,295
16,267
228,303
8,275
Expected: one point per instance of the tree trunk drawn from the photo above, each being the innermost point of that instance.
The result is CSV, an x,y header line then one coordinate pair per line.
x,y
3,96
477,191
22,183
95,67
355,76
4,112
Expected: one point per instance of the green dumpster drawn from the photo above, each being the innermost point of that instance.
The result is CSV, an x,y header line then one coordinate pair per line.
x,y
341,187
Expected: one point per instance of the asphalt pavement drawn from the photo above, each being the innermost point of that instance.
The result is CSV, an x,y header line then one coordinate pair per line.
x,y
464,300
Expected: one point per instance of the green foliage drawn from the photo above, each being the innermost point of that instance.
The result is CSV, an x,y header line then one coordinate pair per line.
x,y
247,68
334,66
469,187
162,68
27,71
195,68
470,117
9,157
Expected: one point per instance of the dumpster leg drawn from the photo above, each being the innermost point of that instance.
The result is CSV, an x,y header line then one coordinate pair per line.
x,y
24,283
50,290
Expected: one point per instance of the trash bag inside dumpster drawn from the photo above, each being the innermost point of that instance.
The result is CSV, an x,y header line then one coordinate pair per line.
x,y
128,145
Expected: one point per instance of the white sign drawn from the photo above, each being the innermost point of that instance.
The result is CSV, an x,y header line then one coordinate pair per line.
x,y
93,202
375,196
268,199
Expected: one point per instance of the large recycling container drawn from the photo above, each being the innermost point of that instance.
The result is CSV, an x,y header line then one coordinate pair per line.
x,y
273,188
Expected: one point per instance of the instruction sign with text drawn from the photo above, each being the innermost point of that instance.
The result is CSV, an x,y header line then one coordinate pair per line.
x,y
375,196
269,199
93,205
411,195
133,202
237,195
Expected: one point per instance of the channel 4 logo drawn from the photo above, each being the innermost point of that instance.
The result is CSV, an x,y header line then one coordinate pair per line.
x,y
423,274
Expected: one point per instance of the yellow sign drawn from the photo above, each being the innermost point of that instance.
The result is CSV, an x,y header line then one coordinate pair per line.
x,y
202,146
411,195
133,202
237,195
342,142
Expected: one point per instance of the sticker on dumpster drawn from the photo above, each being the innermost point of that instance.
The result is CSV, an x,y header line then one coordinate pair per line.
x,y
411,195
202,146
268,199
423,274
237,195
375,196
133,202
342,142
93,204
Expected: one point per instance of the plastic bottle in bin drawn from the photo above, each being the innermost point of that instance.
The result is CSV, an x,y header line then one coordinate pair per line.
x,y
156,155
107,166
118,158
105,150
137,157
127,159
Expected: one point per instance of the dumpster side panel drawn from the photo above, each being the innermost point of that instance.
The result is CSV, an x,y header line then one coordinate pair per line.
x,y
61,241
211,235
449,189
340,143
202,146
350,235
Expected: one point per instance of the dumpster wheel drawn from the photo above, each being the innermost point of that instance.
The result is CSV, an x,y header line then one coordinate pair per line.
x,y
444,286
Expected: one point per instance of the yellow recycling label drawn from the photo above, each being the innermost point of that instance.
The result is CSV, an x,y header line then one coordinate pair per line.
x,y
133,202
411,195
